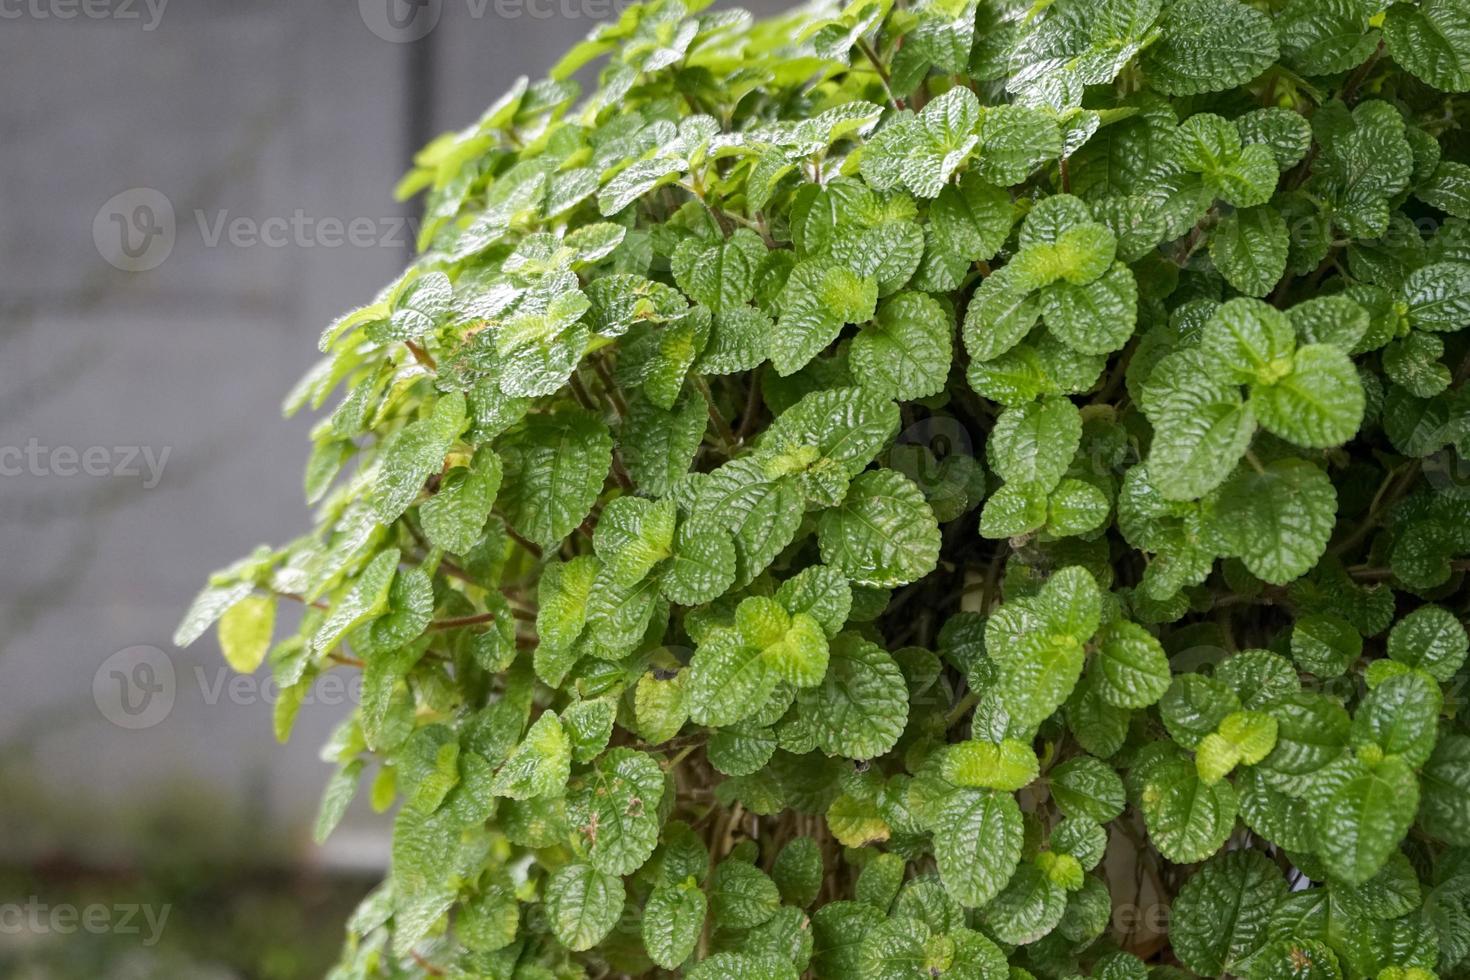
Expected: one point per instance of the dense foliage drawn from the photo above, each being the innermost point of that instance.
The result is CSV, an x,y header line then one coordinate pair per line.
x,y
942,490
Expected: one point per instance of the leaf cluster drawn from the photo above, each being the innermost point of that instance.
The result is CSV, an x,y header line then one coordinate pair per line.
x,y
903,490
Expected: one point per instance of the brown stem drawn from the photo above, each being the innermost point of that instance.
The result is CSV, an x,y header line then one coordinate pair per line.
x,y
421,355
531,546
1361,75
458,621
883,76
722,427
752,406
620,404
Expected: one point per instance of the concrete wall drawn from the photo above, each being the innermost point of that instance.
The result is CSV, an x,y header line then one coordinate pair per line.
x,y
231,113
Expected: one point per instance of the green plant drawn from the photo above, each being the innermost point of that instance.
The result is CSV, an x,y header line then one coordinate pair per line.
x,y
697,634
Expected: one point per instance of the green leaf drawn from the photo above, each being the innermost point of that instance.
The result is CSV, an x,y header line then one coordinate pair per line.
x,y
729,679
1202,426
1132,669
977,843
1296,959
1322,37
583,904
1222,913
562,600
1431,40
1242,738
1001,313
702,567
1438,296
413,454
741,750
212,602
1325,645
1400,716
883,534
1249,248
760,512
365,599
741,895
1318,404
1361,811
1278,520
637,180
1095,317
659,445
1187,819
1445,813
1334,320
944,136
1432,639
1209,46
454,517
820,297
798,870
555,467
822,593
1035,443
1007,765
972,219
672,921
1029,907
721,276
905,352
1076,507
1286,133
618,811
245,632
661,706
1246,341
540,765
1013,510
589,725
1038,644
1448,189
879,881
338,794
1014,141
860,708
856,822
1088,788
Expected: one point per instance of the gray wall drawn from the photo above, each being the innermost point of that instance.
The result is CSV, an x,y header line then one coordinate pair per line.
x,y
229,109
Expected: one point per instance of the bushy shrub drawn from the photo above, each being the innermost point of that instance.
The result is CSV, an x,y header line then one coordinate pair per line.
x,y
909,492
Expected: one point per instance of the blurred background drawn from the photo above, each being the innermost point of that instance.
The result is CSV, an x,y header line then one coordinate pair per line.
x,y
192,190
